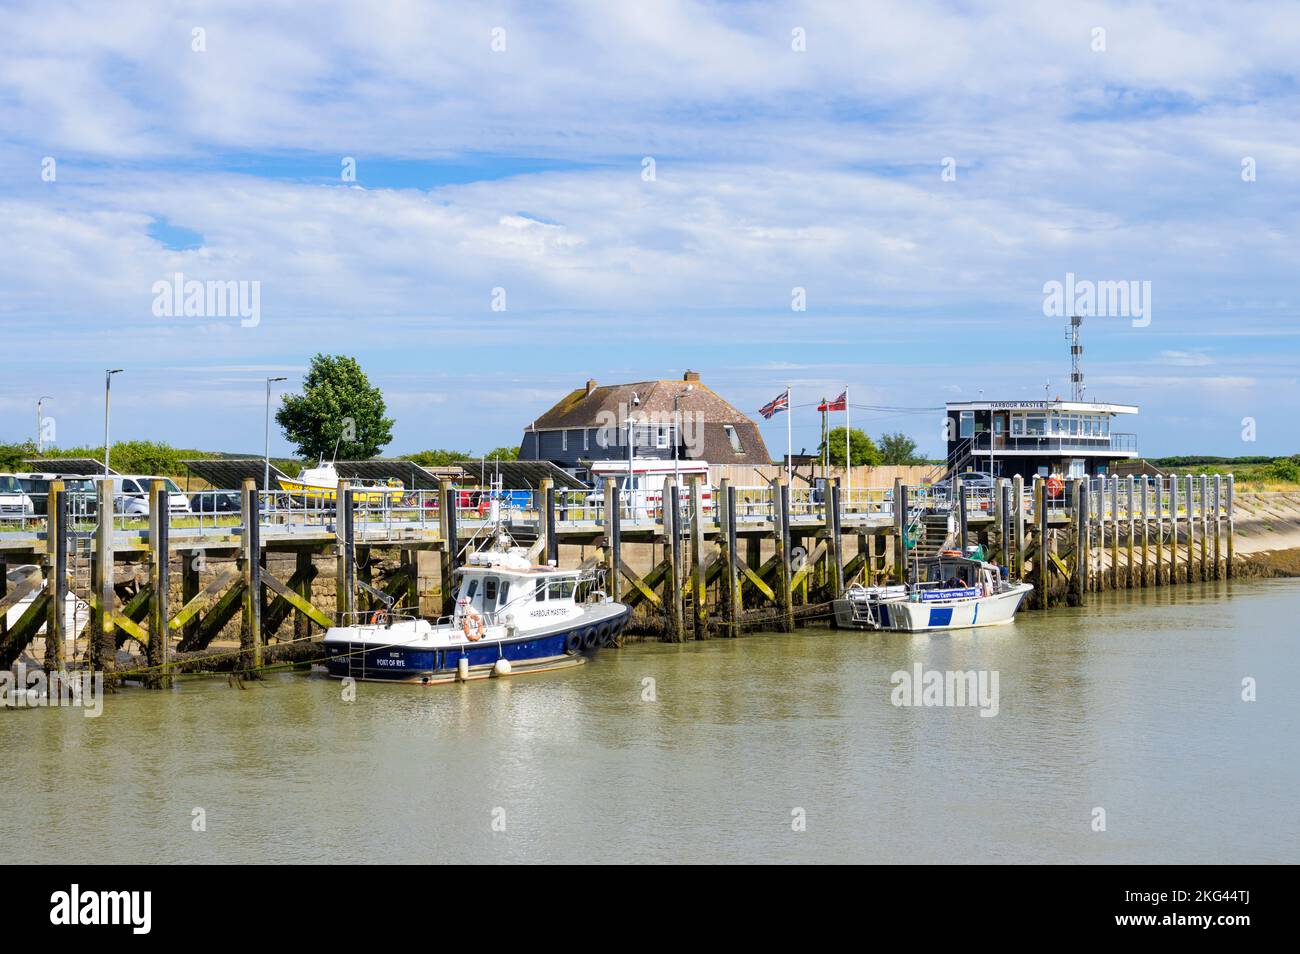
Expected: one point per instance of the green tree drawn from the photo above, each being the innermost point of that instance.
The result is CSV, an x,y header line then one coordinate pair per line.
x,y
437,457
863,447
13,455
898,449
338,404
503,453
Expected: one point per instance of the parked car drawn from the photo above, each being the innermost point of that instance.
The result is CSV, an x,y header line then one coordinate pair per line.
x,y
14,501
971,478
217,501
131,494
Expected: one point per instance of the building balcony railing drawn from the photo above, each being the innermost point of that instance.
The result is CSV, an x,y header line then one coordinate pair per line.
x,y
1052,444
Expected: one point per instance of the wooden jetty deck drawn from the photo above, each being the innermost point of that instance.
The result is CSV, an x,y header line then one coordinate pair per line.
x,y
713,560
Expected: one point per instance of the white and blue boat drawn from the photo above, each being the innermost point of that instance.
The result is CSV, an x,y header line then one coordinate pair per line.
x,y
948,591
512,617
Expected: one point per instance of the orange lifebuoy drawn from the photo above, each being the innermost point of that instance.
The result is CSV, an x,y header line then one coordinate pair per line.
x,y
379,617
472,620
1055,486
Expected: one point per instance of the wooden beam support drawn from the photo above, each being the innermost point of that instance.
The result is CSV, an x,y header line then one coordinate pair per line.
x,y
287,594
25,629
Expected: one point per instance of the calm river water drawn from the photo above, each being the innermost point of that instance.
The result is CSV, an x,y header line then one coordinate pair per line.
x,y
1132,704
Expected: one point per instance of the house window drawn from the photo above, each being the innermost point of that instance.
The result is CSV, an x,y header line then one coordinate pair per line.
x,y
564,440
662,436
1017,425
1035,425
586,439
734,437
967,427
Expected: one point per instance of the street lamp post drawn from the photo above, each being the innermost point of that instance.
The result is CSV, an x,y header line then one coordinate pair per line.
x,y
266,474
108,381
40,424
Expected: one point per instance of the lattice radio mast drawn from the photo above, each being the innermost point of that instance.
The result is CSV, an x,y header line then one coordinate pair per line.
x,y
1077,386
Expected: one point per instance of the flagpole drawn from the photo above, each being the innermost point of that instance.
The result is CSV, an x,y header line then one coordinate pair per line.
x,y
789,436
826,440
848,457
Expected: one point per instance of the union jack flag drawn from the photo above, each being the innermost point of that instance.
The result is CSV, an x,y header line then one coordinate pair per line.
x,y
779,403
841,403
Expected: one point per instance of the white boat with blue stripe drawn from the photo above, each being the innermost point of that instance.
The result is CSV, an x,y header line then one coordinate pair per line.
x,y
948,591
511,617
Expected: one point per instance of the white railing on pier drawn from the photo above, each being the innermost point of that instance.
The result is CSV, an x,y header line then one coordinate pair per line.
x,y
380,514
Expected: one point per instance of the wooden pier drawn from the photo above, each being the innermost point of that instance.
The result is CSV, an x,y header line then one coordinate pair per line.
x,y
696,562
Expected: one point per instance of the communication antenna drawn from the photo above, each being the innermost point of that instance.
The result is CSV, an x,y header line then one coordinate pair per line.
x,y
1077,387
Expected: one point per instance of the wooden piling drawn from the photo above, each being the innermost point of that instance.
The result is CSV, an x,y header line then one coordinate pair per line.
x,y
250,630
732,605
56,577
836,550
962,525
1160,531
900,531
103,639
552,549
159,649
613,538
1128,518
1043,558
1205,526
673,605
189,564
1004,521
1018,508
1218,526
1143,576
303,572
1229,568
450,545
1114,533
1079,566
699,561
786,578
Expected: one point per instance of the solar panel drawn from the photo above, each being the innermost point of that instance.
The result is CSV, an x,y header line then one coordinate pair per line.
x,y
230,473
81,466
411,475
520,474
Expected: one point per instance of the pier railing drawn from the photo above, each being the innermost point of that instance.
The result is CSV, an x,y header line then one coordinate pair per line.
x,y
394,514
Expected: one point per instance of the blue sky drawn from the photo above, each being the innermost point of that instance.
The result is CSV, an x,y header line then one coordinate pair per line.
x,y
775,168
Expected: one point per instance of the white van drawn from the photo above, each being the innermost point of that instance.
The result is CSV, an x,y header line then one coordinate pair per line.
x,y
14,502
131,494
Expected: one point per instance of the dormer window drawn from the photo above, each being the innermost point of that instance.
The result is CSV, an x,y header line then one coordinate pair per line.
x,y
734,438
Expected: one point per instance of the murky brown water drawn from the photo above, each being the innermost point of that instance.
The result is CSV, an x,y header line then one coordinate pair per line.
x,y
1132,704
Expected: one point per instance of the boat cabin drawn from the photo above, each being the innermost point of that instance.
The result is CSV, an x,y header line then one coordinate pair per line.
x,y
507,589
946,573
